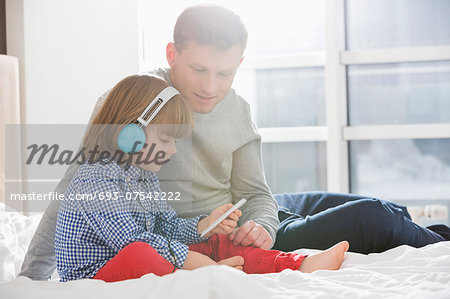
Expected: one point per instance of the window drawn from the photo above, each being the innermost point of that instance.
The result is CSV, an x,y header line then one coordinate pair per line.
x,y
349,95
400,93
398,23
283,77
290,97
401,169
304,163
398,76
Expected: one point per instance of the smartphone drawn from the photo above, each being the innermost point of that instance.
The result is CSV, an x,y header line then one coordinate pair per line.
x,y
225,215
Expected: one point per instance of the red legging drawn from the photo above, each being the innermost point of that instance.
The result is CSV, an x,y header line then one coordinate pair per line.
x,y
140,258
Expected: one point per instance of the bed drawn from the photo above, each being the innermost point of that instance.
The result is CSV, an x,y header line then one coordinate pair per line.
x,y
402,272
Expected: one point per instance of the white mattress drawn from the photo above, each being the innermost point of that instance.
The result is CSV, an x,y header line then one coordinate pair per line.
x,y
402,272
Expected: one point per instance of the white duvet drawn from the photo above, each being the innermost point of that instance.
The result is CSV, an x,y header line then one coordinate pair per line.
x,y
402,272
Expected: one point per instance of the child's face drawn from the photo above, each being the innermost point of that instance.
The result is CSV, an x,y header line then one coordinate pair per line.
x,y
162,151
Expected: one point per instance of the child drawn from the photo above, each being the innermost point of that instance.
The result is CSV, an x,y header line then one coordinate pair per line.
x,y
111,225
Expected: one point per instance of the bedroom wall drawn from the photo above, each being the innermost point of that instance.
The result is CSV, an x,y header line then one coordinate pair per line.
x,y
69,53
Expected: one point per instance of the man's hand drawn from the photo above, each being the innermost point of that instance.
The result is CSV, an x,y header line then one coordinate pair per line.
x,y
251,234
226,226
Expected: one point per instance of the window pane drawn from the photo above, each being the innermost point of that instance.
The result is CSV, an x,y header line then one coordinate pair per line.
x,y
285,26
404,93
399,23
289,97
295,167
401,169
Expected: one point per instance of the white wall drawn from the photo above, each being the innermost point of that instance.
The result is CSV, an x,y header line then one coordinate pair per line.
x,y
70,51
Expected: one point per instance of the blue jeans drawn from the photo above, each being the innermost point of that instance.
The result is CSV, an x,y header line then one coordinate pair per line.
x,y
320,219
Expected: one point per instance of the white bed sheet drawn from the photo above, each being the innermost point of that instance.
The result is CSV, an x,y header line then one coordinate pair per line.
x,y
402,272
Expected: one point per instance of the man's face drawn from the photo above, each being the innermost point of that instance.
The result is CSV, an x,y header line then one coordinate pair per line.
x,y
203,74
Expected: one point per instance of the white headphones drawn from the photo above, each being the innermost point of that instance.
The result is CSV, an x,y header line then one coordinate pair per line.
x,y
132,137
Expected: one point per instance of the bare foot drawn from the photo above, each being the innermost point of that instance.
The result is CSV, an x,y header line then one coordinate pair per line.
x,y
330,259
237,262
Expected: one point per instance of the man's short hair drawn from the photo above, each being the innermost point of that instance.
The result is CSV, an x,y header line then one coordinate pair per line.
x,y
211,25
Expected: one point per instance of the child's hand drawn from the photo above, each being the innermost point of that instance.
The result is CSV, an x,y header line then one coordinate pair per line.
x,y
226,226
236,262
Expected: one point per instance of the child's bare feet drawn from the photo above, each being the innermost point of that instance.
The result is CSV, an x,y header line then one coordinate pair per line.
x,y
330,259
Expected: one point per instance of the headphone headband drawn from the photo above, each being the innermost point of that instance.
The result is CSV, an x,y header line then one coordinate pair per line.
x,y
158,102
132,137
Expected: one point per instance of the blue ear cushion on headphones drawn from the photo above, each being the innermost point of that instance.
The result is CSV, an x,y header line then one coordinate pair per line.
x,y
128,136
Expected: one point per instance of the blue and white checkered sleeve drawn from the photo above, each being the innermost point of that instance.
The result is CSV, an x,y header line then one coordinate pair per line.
x,y
184,230
113,223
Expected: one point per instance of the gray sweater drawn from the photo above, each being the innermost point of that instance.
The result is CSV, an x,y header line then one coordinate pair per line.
x,y
222,165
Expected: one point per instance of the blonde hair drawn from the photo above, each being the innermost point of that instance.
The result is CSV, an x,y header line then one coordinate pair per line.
x,y
124,104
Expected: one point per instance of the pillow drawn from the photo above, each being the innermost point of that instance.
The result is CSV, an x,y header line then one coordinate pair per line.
x,y
16,232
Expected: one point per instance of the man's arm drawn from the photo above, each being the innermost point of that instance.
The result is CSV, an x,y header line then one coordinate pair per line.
x,y
40,260
248,180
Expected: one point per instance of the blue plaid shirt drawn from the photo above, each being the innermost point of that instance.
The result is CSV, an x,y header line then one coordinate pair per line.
x,y
105,216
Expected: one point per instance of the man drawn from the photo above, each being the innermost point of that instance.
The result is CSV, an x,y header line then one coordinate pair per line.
x,y
208,47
